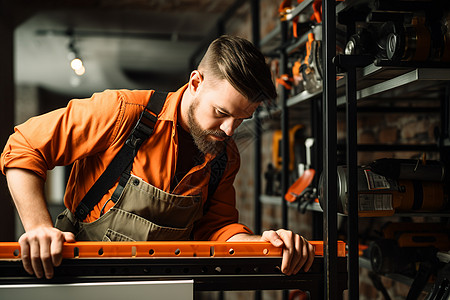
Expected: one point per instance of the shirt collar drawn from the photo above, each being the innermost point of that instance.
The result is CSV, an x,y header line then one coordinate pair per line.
x,y
170,108
170,111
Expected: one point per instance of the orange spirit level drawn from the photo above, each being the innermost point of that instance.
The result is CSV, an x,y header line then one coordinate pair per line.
x,y
210,265
11,250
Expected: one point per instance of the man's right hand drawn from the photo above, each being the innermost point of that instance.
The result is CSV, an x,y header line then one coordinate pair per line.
x,y
41,250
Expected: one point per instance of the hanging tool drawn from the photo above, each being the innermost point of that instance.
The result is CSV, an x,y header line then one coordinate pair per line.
x,y
404,244
285,80
295,137
311,67
301,190
380,195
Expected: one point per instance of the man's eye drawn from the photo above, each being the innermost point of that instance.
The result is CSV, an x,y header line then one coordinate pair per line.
x,y
220,113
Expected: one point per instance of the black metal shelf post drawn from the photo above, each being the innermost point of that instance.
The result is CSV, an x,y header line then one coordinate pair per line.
x,y
257,127
284,128
256,37
352,169
330,149
348,64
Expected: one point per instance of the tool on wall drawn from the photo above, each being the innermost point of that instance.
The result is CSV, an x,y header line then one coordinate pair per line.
x,y
410,249
295,140
311,67
285,80
306,58
302,189
313,15
404,244
296,158
410,169
401,189
413,31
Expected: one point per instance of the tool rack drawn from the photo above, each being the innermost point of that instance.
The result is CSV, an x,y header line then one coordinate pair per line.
x,y
363,79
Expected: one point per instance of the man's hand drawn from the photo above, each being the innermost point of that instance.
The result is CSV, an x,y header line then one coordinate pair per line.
x,y
41,250
41,245
297,252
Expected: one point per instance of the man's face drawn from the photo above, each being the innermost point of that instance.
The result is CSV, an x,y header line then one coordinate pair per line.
x,y
215,113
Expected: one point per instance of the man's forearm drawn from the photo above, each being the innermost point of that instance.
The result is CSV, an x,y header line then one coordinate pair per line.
x,y
27,191
240,237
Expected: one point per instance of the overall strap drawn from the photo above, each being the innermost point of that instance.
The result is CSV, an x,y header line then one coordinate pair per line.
x,y
218,166
121,165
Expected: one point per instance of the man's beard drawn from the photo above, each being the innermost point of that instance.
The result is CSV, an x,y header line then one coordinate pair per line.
x,y
201,137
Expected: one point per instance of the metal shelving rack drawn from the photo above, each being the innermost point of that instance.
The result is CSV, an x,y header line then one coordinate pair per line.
x,y
378,80
325,128
364,80
329,173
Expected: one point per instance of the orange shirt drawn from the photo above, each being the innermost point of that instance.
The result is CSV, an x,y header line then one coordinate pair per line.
x,y
90,132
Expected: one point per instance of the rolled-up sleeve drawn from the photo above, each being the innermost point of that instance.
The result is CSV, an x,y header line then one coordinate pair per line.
x,y
64,135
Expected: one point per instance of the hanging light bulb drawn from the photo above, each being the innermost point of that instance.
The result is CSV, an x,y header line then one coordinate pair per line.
x,y
76,64
80,71
75,61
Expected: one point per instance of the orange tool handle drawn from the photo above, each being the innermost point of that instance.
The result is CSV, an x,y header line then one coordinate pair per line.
x,y
311,39
285,80
11,250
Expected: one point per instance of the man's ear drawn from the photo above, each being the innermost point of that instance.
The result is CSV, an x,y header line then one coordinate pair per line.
x,y
195,81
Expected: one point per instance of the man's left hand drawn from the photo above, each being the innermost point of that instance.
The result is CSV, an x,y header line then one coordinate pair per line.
x,y
298,253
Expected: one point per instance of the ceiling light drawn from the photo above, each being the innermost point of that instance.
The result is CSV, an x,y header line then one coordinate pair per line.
x,y
80,71
76,63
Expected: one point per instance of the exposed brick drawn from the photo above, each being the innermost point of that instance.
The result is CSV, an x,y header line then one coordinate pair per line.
x,y
387,282
367,137
412,129
366,120
368,290
388,135
393,118
401,289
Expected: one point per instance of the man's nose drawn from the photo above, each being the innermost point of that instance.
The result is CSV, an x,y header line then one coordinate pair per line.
x,y
229,126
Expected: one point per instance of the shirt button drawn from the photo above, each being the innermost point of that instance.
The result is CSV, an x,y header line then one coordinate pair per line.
x,y
136,182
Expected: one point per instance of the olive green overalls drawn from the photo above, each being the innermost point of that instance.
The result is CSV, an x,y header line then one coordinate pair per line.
x,y
142,212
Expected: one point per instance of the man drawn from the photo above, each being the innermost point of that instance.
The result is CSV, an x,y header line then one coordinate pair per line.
x,y
165,192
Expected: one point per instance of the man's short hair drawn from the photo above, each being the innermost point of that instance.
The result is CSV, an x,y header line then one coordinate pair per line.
x,y
239,62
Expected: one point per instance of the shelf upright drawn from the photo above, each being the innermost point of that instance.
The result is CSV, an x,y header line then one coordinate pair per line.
x,y
350,64
352,169
330,150
256,38
284,127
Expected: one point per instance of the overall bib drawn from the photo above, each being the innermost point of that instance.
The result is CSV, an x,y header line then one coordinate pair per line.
x,y
142,213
